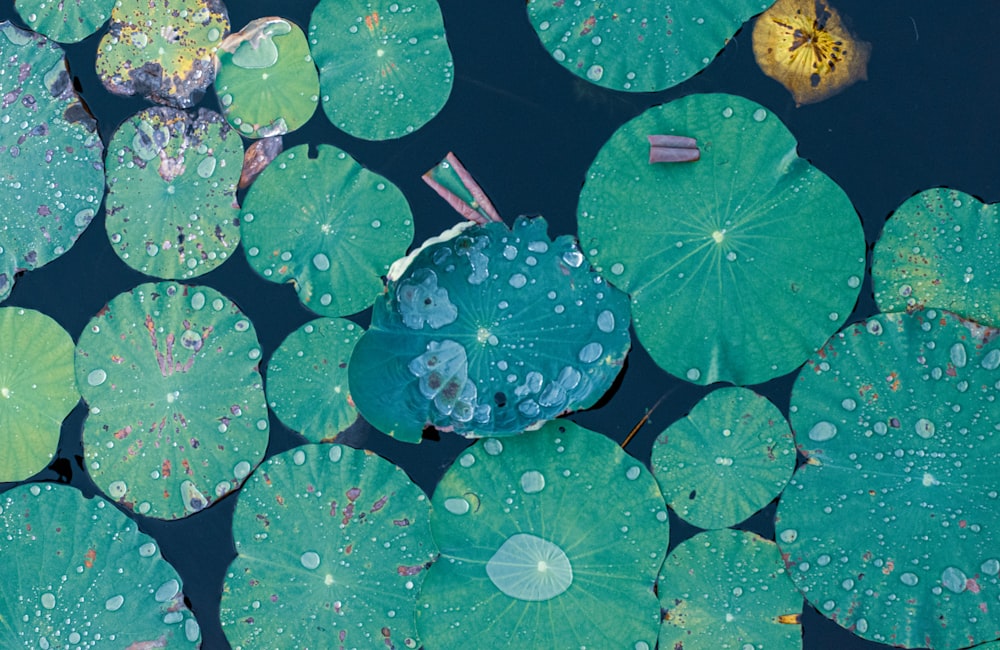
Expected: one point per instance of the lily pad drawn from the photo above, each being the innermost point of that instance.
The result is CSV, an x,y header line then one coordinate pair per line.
x,y
163,50
172,177
66,21
728,589
345,227
804,45
177,412
331,543
740,264
486,331
891,529
939,250
37,390
307,378
48,140
384,66
551,539
79,573
730,457
635,47
266,81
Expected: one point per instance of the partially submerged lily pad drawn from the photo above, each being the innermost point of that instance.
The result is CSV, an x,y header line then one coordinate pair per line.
x,y
730,457
739,265
66,21
384,66
172,177
307,378
551,539
177,412
635,47
728,589
804,45
162,49
487,330
891,528
53,175
76,572
266,82
37,390
348,224
939,249
331,543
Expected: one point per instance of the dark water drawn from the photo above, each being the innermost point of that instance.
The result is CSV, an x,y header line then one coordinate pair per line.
x,y
528,130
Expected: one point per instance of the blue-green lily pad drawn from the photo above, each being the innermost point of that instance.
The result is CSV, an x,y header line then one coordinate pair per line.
x,y
78,573
939,249
172,177
326,224
332,544
37,390
307,378
52,181
177,412
739,264
384,66
66,21
891,528
486,331
730,457
267,83
551,539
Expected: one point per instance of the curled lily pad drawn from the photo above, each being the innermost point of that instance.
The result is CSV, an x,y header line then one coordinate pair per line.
x,y
66,21
52,181
635,47
939,250
730,457
76,573
347,226
177,412
331,543
891,528
307,378
266,82
487,330
172,177
804,45
37,390
728,589
384,66
163,50
740,264
533,556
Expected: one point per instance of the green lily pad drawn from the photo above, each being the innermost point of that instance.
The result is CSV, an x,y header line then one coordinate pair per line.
x,y
307,378
266,82
939,250
634,47
163,50
346,226
740,264
728,589
66,21
177,412
730,457
533,556
384,66
48,140
487,330
76,573
172,177
891,528
331,543
37,390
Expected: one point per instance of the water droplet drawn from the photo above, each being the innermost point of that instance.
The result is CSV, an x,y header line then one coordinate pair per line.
x,y
849,404
924,428
759,115
48,600
532,482
861,625
992,360
854,282
788,535
97,377
147,550
693,374
527,567
207,167
167,591
518,280
617,268
633,472
492,446
595,72
954,579
457,506
958,355
606,321
909,579
117,489
822,431
591,352
242,470
310,559
991,567
114,603
336,453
